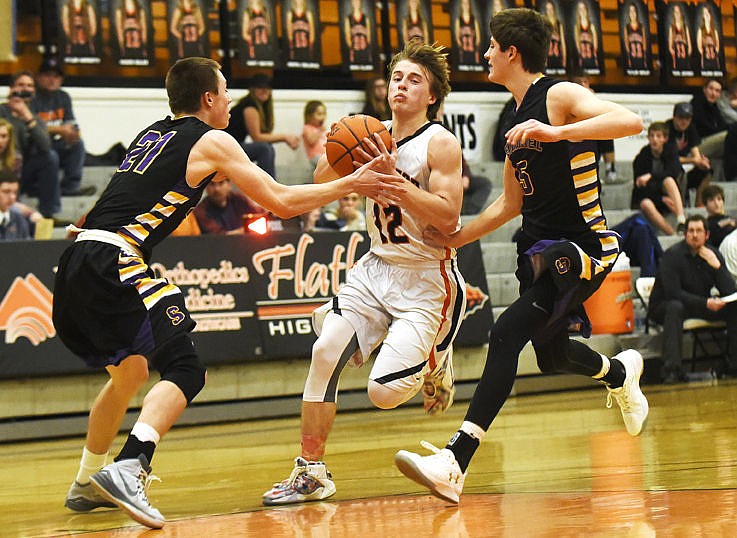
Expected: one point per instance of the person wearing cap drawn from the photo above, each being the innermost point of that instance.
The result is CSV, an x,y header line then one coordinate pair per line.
x,y
54,106
253,117
684,137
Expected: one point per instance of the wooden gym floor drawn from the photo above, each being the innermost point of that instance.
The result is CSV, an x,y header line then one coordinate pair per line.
x,y
554,465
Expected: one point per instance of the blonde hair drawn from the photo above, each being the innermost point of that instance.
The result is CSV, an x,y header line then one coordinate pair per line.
x,y
7,158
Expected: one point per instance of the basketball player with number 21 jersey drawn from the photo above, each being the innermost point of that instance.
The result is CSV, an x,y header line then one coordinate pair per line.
x,y
404,294
564,252
113,311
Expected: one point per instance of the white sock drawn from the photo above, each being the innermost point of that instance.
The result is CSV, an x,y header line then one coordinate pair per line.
x,y
145,433
90,464
605,365
473,430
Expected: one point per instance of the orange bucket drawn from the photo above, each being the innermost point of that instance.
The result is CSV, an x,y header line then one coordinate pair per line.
x,y
610,308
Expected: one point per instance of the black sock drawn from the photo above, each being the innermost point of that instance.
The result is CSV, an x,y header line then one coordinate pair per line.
x,y
616,374
134,446
463,447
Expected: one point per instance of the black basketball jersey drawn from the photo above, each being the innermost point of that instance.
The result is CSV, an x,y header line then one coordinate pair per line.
x,y
148,196
560,183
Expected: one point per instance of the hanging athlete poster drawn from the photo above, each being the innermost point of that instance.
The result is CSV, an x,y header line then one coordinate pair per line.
x,y
466,27
709,42
584,36
677,46
557,51
132,32
81,41
257,33
414,19
188,33
358,34
634,34
302,30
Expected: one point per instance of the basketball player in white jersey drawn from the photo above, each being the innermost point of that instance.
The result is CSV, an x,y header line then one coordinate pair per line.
x,y
403,293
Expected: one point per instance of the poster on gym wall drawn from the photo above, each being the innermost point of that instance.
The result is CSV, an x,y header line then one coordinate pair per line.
x,y
709,49
81,41
635,39
414,19
558,50
132,32
188,32
467,22
302,30
257,45
358,35
584,36
676,38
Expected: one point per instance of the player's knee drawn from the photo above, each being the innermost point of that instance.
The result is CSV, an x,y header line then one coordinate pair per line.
x,y
178,363
384,397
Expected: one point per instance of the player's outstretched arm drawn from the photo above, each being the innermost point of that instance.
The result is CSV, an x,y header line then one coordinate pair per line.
x,y
217,152
507,206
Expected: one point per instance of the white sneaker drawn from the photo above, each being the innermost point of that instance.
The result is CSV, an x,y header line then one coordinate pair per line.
x,y
629,397
440,472
309,481
439,388
84,497
125,483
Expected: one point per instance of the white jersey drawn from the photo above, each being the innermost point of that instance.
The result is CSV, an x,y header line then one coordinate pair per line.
x,y
396,235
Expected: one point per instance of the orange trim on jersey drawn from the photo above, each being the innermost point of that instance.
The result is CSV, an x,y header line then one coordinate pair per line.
x,y
432,362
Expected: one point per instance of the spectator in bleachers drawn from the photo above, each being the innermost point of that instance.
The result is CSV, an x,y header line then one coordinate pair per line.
x,y
720,225
604,147
314,131
708,119
222,210
730,153
640,242
253,116
727,102
54,106
656,171
687,273
683,136
375,99
10,159
40,172
13,224
349,216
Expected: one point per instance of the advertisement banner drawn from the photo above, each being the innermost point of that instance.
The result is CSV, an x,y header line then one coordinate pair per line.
x,y
81,33
358,35
188,32
251,296
257,33
634,35
414,19
302,34
132,32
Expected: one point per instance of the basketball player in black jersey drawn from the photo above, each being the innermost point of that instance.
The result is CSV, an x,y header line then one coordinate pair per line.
x,y
112,310
564,252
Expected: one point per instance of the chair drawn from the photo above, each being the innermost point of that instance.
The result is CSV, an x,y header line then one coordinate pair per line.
x,y
701,330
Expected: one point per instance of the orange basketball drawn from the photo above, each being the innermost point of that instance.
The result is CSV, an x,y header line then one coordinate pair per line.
x,y
346,138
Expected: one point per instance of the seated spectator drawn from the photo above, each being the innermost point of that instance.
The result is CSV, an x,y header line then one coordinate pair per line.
x,y
222,210
476,191
349,215
686,275
683,136
719,224
54,106
40,172
253,117
309,220
314,131
605,148
656,169
640,243
727,102
375,99
730,153
709,122
13,225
